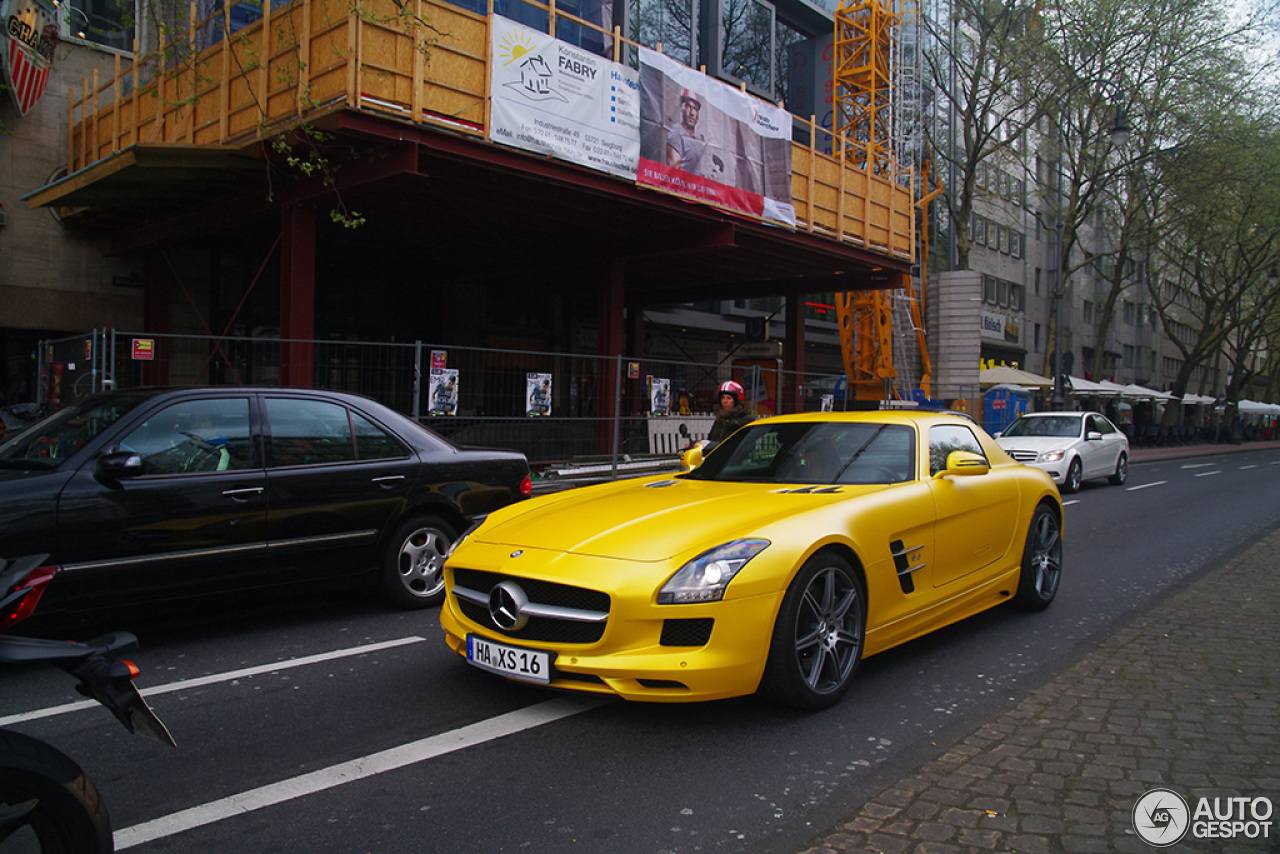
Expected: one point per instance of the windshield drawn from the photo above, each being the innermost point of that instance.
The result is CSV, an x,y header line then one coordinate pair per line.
x,y
813,452
1057,426
49,442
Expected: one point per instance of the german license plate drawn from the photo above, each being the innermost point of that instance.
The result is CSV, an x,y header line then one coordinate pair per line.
x,y
529,665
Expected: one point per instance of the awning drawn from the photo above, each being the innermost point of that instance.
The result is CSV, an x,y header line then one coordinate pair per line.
x,y
1139,392
1003,374
1088,388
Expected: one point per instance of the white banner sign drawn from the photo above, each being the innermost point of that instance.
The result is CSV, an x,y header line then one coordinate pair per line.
x,y
553,98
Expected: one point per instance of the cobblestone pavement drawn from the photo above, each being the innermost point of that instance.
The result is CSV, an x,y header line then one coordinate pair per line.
x,y
1185,696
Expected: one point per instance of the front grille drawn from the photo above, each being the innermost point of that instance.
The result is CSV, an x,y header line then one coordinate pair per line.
x,y
544,629
1024,456
692,632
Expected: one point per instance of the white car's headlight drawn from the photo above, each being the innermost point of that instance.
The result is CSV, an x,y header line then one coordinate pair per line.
x,y
1052,456
704,578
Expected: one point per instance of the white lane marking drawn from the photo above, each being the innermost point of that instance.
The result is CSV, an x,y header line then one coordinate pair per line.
x,y
1197,465
218,677
1147,485
357,769
1072,501
1246,468
1207,473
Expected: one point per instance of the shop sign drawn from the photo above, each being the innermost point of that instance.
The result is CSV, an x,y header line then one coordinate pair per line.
x,y
31,34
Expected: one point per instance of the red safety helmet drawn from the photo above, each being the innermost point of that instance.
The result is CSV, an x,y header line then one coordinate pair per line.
x,y
690,95
733,388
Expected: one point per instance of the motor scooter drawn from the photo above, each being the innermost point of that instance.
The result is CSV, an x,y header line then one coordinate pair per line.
x,y
47,802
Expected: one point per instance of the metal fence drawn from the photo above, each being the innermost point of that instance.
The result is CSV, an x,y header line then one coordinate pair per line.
x,y
553,407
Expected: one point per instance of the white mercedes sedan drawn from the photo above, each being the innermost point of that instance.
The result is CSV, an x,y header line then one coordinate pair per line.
x,y
1071,446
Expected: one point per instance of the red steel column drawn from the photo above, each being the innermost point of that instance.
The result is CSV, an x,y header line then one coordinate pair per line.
x,y
793,353
297,295
157,314
611,297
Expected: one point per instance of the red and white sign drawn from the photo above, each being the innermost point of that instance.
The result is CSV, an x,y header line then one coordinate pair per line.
x,y
31,30
144,349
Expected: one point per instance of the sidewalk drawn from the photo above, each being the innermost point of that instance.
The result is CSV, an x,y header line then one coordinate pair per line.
x,y
1186,696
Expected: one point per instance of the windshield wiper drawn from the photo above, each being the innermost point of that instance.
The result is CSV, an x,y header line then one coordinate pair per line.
x,y
858,453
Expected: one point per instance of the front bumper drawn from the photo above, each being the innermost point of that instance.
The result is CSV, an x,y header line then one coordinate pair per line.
x,y
640,657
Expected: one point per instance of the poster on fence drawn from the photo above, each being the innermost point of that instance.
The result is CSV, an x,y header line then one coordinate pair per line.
x,y
554,98
537,394
707,141
660,396
442,399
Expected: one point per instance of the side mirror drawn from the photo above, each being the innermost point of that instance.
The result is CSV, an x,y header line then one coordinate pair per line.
x,y
691,457
965,464
119,464
1093,436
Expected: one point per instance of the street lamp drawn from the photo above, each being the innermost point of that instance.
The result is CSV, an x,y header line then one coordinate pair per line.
x,y
1119,135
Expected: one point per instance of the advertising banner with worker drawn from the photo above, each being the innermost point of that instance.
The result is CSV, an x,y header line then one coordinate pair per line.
x,y
705,140
553,98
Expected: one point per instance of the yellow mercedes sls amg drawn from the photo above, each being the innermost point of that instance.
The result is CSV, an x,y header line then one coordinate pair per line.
x,y
799,546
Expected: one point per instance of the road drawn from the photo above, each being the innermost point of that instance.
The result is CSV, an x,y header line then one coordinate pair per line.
x,y
336,726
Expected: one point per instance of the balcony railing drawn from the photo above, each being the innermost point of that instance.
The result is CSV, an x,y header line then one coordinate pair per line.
x,y
250,71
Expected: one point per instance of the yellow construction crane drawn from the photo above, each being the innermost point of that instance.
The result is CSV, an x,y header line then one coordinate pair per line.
x,y
862,78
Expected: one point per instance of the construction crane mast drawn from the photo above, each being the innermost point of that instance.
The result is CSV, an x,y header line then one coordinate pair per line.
x,y
877,107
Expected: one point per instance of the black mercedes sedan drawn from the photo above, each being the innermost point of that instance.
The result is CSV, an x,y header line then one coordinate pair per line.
x,y
159,494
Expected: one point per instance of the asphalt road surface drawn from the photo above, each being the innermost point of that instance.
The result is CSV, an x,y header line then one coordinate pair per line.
x,y
333,725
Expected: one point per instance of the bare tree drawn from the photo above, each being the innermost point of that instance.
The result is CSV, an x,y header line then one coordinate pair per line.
x,y
982,71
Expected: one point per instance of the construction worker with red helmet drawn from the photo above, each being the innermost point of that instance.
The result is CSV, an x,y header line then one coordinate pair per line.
x,y
731,413
685,144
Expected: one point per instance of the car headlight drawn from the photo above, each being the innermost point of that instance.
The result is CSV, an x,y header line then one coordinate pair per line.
x,y
1052,456
454,547
704,578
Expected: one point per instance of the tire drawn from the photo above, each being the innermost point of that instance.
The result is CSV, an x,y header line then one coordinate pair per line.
x,y
1041,562
68,815
412,569
1122,471
818,636
1075,476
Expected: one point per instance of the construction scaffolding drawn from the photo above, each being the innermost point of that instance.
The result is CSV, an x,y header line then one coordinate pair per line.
x,y
878,97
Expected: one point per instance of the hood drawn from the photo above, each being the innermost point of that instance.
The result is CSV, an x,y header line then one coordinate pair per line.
x,y
1039,444
654,519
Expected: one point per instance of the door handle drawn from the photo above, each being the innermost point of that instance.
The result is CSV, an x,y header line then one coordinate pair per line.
x,y
388,481
242,494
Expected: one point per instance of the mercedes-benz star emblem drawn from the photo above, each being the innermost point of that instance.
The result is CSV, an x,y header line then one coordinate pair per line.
x,y
506,606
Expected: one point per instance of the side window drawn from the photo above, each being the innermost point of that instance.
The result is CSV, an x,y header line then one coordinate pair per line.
x,y
945,438
194,436
308,432
374,443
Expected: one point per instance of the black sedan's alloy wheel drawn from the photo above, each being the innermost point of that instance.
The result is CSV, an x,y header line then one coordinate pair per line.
x,y
413,571
818,637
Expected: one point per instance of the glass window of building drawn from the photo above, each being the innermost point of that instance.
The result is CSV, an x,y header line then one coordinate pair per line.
x,y
109,23
670,23
747,44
